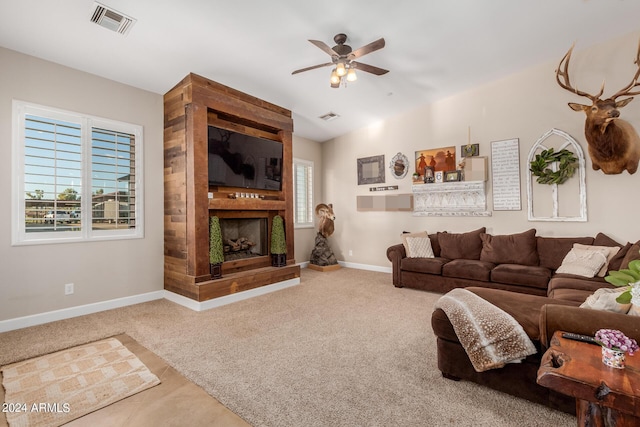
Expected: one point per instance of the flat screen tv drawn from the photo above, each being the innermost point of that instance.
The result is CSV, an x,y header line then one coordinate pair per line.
x,y
239,160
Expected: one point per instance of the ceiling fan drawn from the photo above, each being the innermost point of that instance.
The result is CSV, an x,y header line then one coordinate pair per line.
x,y
343,58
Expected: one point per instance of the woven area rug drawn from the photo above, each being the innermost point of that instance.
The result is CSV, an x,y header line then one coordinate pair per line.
x,y
56,388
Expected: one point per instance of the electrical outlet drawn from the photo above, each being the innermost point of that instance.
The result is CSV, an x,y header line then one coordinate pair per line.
x,y
68,289
350,252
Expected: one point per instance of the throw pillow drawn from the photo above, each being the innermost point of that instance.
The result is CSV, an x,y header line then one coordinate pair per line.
x,y
611,252
605,299
510,249
417,245
582,262
461,245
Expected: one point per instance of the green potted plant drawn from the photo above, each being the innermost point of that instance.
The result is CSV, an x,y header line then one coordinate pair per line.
x,y
278,243
626,277
216,253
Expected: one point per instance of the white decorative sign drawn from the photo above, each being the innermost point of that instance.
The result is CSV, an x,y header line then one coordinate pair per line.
x,y
505,175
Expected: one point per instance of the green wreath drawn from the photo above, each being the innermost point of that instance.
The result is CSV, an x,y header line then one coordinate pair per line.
x,y
567,165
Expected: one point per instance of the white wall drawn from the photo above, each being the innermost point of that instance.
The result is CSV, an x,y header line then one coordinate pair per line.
x,y
523,106
32,277
304,238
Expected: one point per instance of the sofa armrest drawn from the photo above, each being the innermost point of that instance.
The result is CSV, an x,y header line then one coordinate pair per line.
x,y
554,317
395,254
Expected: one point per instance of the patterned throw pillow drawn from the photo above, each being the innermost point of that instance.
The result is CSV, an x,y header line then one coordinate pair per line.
x,y
417,245
612,251
583,262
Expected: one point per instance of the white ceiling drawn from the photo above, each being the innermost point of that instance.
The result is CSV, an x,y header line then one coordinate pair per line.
x,y
433,48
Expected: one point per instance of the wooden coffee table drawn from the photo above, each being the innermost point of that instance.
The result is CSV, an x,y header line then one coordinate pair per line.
x,y
604,396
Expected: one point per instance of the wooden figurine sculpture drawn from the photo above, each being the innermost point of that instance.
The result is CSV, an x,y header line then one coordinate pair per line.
x,y
322,255
325,224
614,144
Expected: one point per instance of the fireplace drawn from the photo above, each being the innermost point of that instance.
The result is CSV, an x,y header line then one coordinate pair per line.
x,y
244,238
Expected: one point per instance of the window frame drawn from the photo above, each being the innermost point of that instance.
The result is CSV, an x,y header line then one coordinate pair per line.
x,y
309,202
20,236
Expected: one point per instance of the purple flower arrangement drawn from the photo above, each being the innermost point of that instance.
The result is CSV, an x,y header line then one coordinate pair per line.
x,y
616,340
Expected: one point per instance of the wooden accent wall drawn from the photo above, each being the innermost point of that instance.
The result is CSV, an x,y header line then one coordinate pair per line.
x,y
189,108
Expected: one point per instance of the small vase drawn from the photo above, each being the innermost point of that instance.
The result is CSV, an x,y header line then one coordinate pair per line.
x,y
613,358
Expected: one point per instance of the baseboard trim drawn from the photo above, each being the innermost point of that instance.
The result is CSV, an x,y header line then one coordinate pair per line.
x,y
228,299
366,267
81,310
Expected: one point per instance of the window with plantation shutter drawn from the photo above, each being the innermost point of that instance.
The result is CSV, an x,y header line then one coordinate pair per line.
x,y
76,177
303,193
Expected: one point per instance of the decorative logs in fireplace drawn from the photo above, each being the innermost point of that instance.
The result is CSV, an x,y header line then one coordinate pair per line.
x,y
237,245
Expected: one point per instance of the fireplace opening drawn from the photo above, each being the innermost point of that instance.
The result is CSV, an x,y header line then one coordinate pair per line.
x,y
243,237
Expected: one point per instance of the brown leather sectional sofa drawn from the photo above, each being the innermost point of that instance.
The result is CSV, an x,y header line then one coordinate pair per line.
x,y
530,290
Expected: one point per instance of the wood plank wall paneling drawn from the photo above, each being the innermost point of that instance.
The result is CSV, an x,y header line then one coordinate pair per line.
x,y
189,107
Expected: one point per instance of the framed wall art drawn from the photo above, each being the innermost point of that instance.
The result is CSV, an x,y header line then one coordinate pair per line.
x,y
399,166
371,170
505,175
469,150
440,159
452,176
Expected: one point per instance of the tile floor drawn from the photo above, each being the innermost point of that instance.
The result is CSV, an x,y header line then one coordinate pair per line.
x,y
175,402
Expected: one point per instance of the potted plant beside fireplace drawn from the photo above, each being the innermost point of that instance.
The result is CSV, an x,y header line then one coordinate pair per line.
x,y
216,254
278,243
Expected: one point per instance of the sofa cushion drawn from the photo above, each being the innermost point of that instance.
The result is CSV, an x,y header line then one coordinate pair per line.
x,y
461,245
574,288
584,262
604,240
510,249
468,269
611,252
417,245
632,253
552,250
515,274
423,265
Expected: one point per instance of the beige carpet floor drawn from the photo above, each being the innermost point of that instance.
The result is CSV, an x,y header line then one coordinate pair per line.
x,y
344,348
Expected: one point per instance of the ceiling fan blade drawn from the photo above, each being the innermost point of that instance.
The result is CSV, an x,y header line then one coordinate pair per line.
x,y
322,45
371,47
370,68
312,68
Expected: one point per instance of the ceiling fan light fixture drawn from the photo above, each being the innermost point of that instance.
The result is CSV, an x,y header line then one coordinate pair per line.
x,y
340,69
335,79
351,75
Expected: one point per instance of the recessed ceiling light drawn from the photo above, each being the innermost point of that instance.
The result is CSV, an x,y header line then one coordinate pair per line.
x,y
329,116
111,19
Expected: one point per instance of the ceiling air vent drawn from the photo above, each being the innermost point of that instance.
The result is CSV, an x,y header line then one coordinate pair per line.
x,y
329,116
111,19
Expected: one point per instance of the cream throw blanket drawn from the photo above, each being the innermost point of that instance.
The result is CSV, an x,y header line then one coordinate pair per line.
x,y
489,335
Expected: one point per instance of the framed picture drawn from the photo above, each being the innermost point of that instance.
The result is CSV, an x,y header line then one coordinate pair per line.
x,y
399,166
469,150
440,159
429,175
451,176
371,170
439,176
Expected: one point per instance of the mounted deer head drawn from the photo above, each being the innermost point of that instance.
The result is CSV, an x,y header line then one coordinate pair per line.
x,y
614,145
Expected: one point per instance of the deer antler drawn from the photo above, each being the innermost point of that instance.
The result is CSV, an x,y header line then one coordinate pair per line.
x,y
626,91
563,72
